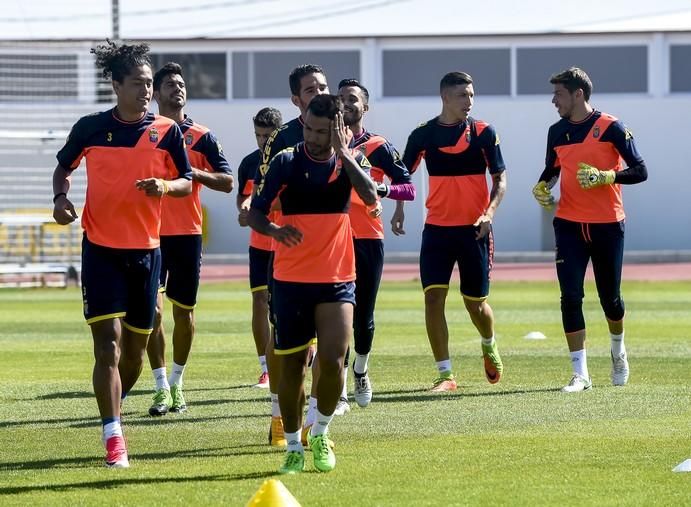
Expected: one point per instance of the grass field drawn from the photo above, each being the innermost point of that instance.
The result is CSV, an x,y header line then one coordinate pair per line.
x,y
520,442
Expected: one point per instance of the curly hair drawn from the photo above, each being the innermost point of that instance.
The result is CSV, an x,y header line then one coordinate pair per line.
x,y
117,61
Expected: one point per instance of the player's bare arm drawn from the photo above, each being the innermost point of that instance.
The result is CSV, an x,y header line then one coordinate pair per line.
x,y
287,234
156,187
221,182
63,211
484,221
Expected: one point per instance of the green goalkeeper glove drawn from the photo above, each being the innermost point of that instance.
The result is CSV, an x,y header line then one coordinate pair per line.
x,y
591,177
543,195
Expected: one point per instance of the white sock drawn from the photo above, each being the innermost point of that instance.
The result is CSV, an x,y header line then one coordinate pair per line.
x,y
444,366
321,425
344,391
617,344
294,441
487,341
360,365
176,374
579,363
262,363
112,429
161,378
275,407
311,412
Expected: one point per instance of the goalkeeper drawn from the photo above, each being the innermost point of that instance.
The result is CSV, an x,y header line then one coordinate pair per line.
x,y
585,148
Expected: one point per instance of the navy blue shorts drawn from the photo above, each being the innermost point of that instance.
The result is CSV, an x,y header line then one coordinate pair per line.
x,y
259,268
294,305
120,283
444,246
181,261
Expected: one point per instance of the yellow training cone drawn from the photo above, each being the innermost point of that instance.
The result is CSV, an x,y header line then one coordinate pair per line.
x,y
273,494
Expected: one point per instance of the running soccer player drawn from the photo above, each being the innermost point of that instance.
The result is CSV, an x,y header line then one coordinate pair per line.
x,y
458,151
306,82
133,158
265,122
314,268
585,148
368,230
181,240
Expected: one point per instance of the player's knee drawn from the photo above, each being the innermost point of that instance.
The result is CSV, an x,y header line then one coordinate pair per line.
x,y
572,314
475,307
435,297
613,307
107,353
183,317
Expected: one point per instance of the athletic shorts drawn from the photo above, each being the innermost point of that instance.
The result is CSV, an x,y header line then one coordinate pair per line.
x,y
294,305
181,261
444,246
259,268
120,283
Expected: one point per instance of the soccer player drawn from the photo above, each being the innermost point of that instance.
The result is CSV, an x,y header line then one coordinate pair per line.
x,y
181,240
585,148
368,230
265,122
458,150
306,82
133,158
314,268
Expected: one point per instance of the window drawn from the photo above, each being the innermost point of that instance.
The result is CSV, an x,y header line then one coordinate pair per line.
x,y
416,73
38,77
204,73
613,69
264,74
680,68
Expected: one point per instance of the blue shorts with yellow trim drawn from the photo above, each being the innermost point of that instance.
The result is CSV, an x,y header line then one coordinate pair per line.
x,y
445,246
294,305
181,260
260,260
120,283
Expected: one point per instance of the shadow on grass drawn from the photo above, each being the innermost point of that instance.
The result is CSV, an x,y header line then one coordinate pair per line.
x,y
116,483
424,394
68,395
83,422
91,461
146,420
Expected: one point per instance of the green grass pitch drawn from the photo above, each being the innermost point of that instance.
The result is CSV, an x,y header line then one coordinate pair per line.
x,y
520,442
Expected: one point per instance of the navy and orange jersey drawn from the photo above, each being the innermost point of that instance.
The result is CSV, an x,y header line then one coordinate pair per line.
x,y
385,161
602,141
287,135
118,153
315,198
247,171
457,158
183,216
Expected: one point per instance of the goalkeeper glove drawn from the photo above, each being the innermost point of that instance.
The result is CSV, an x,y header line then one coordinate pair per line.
x,y
591,177
543,195
383,189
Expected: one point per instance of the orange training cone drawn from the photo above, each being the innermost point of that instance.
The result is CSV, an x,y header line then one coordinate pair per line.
x,y
273,494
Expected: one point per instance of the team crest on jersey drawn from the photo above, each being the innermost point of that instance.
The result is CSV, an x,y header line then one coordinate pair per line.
x,y
188,139
596,131
153,135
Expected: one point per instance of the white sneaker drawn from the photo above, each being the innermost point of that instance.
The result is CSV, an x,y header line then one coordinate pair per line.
x,y
342,407
363,390
620,369
577,384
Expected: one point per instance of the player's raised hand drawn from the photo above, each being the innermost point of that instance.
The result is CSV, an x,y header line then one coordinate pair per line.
x,y
154,187
591,177
339,133
63,211
287,235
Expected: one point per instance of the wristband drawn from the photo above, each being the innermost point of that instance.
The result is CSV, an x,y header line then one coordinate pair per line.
x,y
57,196
165,187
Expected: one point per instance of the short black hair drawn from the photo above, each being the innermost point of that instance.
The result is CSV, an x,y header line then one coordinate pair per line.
x,y
117,61
325,106
354,82
268,117
574,78
169,69
455,78
298,73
